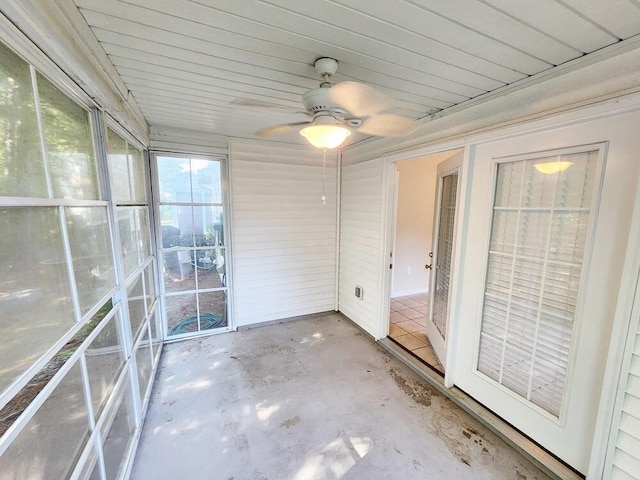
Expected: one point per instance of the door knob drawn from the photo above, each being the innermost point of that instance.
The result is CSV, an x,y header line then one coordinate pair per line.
x,y
430,266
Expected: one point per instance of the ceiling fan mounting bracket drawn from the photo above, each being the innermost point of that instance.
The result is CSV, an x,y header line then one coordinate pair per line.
x,y
326,66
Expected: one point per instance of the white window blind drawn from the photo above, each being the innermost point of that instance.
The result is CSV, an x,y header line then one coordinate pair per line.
x,y
538,238
444,252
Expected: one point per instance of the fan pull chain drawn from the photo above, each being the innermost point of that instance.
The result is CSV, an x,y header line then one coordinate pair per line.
x,y
324,174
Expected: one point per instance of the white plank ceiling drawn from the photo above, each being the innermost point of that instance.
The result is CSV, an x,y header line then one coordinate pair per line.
x,y
204,64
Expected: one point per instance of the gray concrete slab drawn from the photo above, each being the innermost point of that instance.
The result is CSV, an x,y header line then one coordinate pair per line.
x,y
308,399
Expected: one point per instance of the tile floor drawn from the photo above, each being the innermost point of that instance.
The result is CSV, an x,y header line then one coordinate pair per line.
x,y
408,327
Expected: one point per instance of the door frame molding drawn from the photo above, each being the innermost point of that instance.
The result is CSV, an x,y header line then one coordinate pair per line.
x,y
388,227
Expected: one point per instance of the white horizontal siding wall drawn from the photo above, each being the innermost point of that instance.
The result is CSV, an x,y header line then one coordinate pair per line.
x,y
284,238
164,139
626,457
361,227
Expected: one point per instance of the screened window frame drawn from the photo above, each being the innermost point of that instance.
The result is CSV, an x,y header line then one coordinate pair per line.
x,y
61,204
588,262
127,377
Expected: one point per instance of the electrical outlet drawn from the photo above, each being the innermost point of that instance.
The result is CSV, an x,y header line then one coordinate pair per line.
x,y
359,292
408,270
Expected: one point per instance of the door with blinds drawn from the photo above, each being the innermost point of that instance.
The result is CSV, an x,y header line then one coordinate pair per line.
x,y
545,229
442,255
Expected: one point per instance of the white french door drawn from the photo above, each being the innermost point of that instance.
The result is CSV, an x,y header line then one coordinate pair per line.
x,y
545,232
442,255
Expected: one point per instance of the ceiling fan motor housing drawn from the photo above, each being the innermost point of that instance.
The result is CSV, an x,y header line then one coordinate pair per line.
x,y
317,100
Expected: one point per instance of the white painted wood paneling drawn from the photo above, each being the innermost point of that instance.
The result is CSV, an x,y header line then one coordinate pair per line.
x,y
284,238
174,140
626,455
198,64
361,226
626,460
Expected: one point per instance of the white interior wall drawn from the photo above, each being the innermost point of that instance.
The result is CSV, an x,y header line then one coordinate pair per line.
x,y
416,192
283,237
414,226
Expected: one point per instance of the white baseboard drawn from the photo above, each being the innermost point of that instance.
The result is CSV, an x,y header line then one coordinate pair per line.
x,y
404,293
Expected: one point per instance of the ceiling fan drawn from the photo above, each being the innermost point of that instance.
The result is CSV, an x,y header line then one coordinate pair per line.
x,y
337,110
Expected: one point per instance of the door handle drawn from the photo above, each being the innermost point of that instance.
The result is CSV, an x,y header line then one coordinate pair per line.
x,y
430,266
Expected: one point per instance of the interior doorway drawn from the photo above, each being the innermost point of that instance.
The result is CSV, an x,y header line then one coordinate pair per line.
x,y
424,213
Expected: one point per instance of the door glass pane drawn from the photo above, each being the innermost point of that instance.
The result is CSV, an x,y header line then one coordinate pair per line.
x,y
444,252
178,270
206,181
174,179
90,242
213,310
177,225
22,171
182,314
211,268
207,226
69,143
538,241
35,297
50,443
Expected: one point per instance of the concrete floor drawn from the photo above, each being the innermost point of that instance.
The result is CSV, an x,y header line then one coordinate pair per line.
x,y
308,399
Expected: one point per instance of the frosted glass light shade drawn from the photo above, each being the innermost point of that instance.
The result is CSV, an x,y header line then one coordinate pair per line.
x,y
325,136
551,168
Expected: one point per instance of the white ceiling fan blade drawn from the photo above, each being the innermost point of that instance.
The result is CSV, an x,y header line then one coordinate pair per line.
x,y
279,129
257,104
359,99
388,125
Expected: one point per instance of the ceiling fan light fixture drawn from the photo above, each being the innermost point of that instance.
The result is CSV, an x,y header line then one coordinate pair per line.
x,y
325,136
